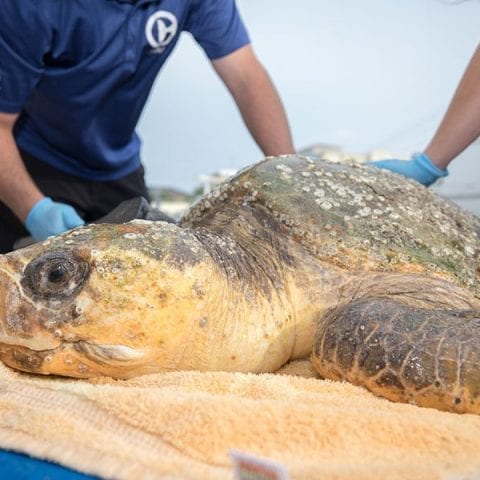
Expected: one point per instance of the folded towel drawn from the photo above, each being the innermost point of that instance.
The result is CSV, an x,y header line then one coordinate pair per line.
x,y
183,425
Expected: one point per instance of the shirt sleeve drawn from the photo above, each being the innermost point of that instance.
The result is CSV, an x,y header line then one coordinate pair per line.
x,y
217,27
24,41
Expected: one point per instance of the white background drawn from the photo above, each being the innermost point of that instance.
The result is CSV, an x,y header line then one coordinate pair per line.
x,y
359,74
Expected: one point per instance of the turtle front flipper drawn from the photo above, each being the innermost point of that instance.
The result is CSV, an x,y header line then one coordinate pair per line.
x,y
430,358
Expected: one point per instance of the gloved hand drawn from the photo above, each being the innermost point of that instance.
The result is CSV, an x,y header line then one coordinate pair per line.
x,y
47,218
419,168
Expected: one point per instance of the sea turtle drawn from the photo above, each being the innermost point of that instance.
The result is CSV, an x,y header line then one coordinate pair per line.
x,y
373,274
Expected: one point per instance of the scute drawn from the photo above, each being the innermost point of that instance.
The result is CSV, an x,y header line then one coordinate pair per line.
x,y
356,217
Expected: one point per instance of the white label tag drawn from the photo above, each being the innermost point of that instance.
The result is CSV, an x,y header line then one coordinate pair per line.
x,y
249,467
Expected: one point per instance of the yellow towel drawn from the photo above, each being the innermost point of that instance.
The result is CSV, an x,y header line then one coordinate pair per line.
x,y
182,425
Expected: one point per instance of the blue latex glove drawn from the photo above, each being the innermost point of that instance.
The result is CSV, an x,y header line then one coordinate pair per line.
x,y
419,168
47,218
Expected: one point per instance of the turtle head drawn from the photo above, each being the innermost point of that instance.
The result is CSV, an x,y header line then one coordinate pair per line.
x,y
116,300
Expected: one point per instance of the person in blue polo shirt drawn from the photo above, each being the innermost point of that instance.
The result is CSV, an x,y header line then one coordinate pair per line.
x,y
74,78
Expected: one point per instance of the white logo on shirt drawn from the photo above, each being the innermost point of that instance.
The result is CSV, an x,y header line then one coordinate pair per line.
x,y
161,29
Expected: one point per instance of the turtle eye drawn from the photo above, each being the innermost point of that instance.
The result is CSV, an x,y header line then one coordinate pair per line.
x,y
57,274
54,276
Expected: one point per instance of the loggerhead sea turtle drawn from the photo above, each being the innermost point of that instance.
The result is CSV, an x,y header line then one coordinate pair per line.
x,y
373,273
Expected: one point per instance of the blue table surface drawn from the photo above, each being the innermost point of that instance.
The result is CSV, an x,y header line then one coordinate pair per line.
x,y
16,466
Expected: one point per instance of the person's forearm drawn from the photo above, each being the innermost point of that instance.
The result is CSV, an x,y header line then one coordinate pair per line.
x,y
461,124
17,189
264,115
257,100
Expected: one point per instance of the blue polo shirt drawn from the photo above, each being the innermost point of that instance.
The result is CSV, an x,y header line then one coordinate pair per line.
x,y
80,72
